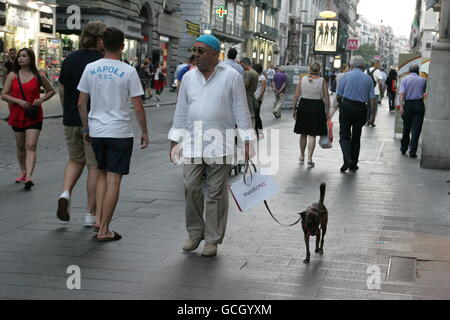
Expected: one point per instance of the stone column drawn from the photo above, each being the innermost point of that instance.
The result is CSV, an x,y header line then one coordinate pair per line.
x,y
436,127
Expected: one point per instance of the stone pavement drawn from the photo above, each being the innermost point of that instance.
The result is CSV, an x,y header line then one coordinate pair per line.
x,y
390,207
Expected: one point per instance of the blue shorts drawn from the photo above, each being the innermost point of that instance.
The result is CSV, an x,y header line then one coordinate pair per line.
x,y
113,154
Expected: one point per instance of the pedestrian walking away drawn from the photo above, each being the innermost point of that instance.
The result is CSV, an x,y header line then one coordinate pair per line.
x,y
354,91
259,94
377,78
212,99
110,83
80,152
312,112
22,92
251,83
270,74
279,88
334,103
412,90
391,86
231,61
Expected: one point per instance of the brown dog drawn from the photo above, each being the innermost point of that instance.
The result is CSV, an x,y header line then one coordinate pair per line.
x,y
314,219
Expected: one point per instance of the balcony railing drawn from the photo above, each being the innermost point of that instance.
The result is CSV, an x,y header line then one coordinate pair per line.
x,y
227,27
267,32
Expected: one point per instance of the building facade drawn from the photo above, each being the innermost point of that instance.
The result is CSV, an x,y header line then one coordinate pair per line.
x,y
30,24
151,29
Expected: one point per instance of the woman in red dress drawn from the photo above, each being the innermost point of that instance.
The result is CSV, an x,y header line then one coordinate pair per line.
x,y
159,80
22,91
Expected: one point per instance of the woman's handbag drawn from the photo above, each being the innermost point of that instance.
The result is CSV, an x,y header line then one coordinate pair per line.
x,y
32,113
325,142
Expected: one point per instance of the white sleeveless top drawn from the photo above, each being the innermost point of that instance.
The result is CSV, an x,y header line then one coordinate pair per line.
x,y
312,89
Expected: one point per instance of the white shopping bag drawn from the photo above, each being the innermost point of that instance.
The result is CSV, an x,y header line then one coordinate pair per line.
x,y
254,190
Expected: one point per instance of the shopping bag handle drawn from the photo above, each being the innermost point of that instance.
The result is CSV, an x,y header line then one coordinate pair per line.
x,y
247,169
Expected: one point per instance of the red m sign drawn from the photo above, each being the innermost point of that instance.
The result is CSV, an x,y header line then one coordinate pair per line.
x,y
352,44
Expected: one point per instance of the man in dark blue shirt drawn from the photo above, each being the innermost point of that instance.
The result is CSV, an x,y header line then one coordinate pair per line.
x,y
354,91
80,153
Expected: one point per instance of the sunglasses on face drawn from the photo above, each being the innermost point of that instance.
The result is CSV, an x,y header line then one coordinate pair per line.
x,y
201,51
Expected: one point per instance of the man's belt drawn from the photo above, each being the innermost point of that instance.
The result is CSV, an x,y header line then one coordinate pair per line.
x,y
353,101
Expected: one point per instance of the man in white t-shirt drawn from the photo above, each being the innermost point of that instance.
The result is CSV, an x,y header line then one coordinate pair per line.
x,y
375,74
270,74
110,83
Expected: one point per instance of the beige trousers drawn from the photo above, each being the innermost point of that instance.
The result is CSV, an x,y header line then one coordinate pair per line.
x,y
206,218
279,101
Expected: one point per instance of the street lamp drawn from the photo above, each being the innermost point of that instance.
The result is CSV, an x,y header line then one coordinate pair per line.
x,y
328,14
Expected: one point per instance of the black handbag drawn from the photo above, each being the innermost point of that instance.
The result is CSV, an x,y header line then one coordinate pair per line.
x,y
32,113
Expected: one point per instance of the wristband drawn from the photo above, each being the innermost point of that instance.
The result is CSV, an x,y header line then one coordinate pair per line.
x,y
84,130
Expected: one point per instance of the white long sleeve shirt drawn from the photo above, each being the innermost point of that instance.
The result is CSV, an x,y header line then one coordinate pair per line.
x,y
207,113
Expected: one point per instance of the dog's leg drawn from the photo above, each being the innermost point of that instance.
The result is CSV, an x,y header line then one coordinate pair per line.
x,y
308,254
317,242
324,230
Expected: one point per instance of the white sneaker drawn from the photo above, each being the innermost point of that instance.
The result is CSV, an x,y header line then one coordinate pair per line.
x,y
89,220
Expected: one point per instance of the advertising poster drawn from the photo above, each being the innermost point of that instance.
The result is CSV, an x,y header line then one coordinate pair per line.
x,y
326,36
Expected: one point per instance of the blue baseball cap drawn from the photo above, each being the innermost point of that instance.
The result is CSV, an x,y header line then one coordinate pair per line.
x,y
210,41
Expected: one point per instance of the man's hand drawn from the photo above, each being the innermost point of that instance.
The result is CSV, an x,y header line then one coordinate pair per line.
x,y
86,137
249,151
402,111
174,154
144,141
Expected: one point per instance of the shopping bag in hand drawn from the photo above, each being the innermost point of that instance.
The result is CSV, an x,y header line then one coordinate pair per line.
x,y
253,190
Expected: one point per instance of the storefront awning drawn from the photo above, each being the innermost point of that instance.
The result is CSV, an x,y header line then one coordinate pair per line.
x,y
171,25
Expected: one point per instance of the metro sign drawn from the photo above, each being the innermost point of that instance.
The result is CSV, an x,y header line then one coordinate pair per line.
x,y
352,44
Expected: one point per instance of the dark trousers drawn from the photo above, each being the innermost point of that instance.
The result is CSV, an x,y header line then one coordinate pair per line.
x,y
391,96
352,117
412,125
258,121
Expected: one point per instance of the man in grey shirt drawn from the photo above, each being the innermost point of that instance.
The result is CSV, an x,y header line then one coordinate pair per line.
x,y
231,61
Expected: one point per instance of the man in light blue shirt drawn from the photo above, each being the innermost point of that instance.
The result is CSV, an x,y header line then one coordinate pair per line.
x,y
231,61
412,90
355,90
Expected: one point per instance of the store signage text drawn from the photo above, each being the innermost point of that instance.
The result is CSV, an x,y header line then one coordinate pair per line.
x,y
46,22
192,29
19,17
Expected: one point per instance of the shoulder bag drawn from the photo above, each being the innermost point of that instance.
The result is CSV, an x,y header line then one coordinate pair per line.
x,y
32,113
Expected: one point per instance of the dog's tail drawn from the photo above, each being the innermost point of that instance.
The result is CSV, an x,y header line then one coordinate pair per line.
x,y
322,192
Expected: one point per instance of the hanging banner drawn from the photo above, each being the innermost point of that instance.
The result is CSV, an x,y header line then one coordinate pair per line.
x,y
326,36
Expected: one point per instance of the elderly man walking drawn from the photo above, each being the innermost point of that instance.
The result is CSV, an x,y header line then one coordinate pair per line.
x,y
354,91
412,90
211,102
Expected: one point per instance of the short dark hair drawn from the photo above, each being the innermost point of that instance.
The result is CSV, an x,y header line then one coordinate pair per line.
x,y
113,39
232,53
246,61
258,68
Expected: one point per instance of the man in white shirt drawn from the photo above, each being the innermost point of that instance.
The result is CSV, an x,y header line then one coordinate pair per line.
x,y
270,74
110,83
211,102
377,78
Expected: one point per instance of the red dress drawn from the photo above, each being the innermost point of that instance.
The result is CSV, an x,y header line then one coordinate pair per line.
x,y
17,117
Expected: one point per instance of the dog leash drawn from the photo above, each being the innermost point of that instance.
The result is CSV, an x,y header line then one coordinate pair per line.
x,y
247,168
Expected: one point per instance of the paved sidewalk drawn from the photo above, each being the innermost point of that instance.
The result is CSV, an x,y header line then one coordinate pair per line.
x,y
390,207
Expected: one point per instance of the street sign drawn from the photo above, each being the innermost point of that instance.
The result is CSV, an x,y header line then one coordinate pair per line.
x,y
352,44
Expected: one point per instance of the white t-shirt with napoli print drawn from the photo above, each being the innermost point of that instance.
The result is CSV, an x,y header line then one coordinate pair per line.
x,y
110,84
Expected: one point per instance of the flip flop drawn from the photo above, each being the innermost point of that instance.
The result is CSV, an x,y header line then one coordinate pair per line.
x,y
96,230
108,239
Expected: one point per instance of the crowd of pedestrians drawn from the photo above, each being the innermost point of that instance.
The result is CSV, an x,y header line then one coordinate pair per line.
x,y
96,87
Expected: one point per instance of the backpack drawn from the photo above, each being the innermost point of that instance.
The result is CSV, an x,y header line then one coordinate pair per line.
x,y
370,74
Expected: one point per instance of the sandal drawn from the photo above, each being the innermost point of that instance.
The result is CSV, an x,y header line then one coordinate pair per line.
x,y
311,164
22,178
116,237
28,184
96,229
302,161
